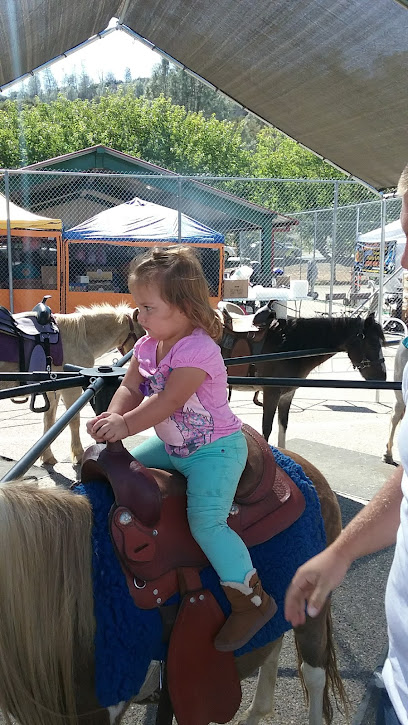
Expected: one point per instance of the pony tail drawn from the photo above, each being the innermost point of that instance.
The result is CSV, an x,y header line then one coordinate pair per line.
x,y
46,601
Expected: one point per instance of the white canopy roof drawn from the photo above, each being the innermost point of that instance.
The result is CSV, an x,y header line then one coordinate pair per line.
x,y
393,231
24,219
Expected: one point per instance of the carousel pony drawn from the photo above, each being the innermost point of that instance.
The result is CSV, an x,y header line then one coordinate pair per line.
x,y
361,339
69,622
85,334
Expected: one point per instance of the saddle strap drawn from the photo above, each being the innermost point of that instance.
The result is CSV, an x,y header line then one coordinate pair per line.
x,y
194,667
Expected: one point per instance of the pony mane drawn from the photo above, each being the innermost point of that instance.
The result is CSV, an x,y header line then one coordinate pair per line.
x,y
46,601
315,332
94,310
93,325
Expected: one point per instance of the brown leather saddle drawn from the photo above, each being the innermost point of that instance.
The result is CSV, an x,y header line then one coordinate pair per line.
x,y
148,521
244,335
159,557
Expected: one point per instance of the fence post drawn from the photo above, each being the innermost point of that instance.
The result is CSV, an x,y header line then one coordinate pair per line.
x,y
333,245
9,248
381,261
179,208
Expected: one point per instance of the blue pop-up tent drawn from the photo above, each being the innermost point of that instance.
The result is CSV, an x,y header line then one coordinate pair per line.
x,y
98,251
139,220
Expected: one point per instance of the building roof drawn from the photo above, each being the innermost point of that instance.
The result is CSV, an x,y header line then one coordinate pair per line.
x,y
107,177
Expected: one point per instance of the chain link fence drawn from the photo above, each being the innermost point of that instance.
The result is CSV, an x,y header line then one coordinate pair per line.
x,y
318,246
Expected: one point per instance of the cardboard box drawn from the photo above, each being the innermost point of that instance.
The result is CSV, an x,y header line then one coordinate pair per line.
x,y
100,285
49,277
283,281
99,274
235,288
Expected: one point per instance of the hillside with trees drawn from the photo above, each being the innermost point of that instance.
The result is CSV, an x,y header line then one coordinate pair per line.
x,y
170,119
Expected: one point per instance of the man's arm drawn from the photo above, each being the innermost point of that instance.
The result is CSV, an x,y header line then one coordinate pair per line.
x,y
374,528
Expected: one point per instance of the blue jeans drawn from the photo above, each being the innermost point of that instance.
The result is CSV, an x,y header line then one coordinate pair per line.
x,y
386,714
212,473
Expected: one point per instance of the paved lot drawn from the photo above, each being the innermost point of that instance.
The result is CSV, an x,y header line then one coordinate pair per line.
x,y
344,434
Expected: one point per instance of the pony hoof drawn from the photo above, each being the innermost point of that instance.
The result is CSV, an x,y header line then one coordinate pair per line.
x,y
248,718
48,460
77,458
387,458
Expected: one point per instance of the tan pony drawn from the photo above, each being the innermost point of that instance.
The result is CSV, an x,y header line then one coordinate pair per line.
x,y
86,334
47,621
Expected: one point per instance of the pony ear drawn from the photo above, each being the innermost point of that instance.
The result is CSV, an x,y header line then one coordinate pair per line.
x,y
369,320
135,314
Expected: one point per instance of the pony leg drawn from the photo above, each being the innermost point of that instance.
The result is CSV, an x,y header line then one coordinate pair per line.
x,y
318,666
284,404
397,415
263,703
47,456
270,401
70,396
315,681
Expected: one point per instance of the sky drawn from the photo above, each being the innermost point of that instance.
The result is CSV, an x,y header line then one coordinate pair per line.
x,y
113,53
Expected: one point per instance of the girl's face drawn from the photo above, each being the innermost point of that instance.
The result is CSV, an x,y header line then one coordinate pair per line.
x,y
160,319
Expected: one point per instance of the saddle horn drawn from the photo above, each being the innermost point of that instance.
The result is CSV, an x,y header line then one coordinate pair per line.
x,y
43,311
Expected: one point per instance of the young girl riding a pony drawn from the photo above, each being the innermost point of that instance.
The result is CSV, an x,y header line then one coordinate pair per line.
x,y
177,382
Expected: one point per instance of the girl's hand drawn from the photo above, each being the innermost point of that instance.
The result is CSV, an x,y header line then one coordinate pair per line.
x,y
108,427
90,423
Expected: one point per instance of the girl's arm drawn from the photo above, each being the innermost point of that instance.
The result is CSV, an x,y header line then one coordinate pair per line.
x,y
180,386
374,528
127,397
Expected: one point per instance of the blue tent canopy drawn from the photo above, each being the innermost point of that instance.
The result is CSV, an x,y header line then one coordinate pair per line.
x,y
142,220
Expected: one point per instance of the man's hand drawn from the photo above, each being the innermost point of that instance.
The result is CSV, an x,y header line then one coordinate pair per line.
x,y
312,584
109,427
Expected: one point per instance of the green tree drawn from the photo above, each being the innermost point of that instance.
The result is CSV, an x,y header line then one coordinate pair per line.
x,y
185,90
34,87
156,131
50,85
86,87
70,85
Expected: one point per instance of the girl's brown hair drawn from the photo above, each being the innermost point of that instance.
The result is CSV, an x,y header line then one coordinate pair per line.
x,y
178,274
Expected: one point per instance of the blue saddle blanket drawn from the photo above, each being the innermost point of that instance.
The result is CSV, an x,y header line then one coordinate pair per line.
x,y
128,638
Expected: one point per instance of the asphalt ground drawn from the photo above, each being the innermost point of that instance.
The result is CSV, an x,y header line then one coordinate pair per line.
x,y
344,434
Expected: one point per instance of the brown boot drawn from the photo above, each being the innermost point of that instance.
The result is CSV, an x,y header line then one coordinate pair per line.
x,y
251,609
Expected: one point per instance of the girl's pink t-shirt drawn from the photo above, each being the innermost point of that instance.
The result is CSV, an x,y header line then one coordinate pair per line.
x,y
206,415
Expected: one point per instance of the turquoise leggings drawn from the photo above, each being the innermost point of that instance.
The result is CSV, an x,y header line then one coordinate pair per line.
x,y
212,475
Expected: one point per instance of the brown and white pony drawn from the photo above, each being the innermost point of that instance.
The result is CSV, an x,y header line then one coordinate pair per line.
x,y
86,334
47,620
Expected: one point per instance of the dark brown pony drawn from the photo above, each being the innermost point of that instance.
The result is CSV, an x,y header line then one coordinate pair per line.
x,y
361,339
47,616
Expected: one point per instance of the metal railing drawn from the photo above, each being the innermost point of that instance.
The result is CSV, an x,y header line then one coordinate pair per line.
x,y
97,378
